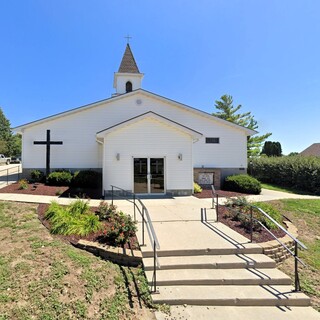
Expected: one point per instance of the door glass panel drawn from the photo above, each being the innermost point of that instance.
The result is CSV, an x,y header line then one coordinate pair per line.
x,y
157,175
140,175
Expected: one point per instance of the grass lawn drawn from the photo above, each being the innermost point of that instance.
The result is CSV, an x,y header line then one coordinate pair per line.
x,y
42,277
305,214
283,189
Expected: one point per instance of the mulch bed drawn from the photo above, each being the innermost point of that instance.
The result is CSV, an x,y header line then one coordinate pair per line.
x,y
61,191
206,193
226,218
73,239
258,236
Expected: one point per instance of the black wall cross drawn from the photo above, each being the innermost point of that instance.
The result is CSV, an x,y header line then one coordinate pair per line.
x,y
48,143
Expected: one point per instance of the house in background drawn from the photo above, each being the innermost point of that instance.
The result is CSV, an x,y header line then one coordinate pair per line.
x,y
313,150
140,141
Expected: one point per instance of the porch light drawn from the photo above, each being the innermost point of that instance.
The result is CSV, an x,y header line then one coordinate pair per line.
x,y
180,156
118,156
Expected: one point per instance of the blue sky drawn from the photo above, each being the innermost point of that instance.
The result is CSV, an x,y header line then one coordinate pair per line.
x,y
61,54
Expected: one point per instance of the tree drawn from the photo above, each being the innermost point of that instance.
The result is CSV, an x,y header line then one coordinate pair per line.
x,y
9,144
272,149
228,112
292,154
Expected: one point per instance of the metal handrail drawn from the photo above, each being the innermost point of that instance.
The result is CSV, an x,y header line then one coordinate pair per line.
x,y
145,220
7,169
280,227
215,203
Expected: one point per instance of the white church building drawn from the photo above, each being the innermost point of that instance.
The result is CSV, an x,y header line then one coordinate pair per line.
x,y
140,141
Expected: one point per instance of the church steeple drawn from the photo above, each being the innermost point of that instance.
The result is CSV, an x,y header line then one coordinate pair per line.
x,y
128,77
128,64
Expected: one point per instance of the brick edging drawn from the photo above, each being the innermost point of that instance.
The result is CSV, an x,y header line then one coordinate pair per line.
x,y
275,250
126,257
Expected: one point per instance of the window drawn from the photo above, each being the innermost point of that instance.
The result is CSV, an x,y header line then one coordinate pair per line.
x,y
128,86
212,140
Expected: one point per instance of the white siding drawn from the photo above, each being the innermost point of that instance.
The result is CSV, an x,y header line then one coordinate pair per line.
x,y
147,138
122,79
78,133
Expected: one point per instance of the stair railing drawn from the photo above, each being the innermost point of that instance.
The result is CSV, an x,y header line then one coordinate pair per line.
x,y
138,206
11,171
297,244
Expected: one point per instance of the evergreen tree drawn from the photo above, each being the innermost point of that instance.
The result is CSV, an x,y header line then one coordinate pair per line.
x,y
9,144
228,112
272,149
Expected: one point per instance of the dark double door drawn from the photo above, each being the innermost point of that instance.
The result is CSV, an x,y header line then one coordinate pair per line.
x,y
148,175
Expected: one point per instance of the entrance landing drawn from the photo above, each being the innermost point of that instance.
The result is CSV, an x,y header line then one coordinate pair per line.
x,y
178,226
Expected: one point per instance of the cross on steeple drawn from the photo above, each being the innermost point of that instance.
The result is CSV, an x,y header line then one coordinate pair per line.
x,y
128,38
48,143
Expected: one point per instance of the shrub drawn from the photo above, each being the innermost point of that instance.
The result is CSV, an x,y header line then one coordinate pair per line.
x,y
105,210
23,184
238,206
37,176
238,201
59,178
122,227
87,179
196,188
241,212
79,207
242,183
75,219
271,211
298,172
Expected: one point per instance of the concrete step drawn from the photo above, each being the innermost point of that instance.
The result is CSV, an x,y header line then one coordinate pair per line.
x,y
275,295
206,277
212,262
248,248
245,313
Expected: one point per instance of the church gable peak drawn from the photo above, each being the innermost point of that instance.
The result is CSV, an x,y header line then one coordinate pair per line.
x,y
128,63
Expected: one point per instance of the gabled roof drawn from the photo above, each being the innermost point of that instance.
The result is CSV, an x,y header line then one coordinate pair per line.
x,y
128,64
151,115
128,95
313,150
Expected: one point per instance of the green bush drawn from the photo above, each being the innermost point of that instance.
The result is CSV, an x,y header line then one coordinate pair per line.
x,y
196,188
105,210
298,172
79,207
75,219
242,183
122,227
87,179
59,178
37,176
271,211
23,184
240,208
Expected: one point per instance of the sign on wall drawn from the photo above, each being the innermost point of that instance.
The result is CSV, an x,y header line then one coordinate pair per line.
x,y
205,178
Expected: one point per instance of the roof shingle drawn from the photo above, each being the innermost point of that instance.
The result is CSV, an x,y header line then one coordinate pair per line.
x,y
128,64
313,150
